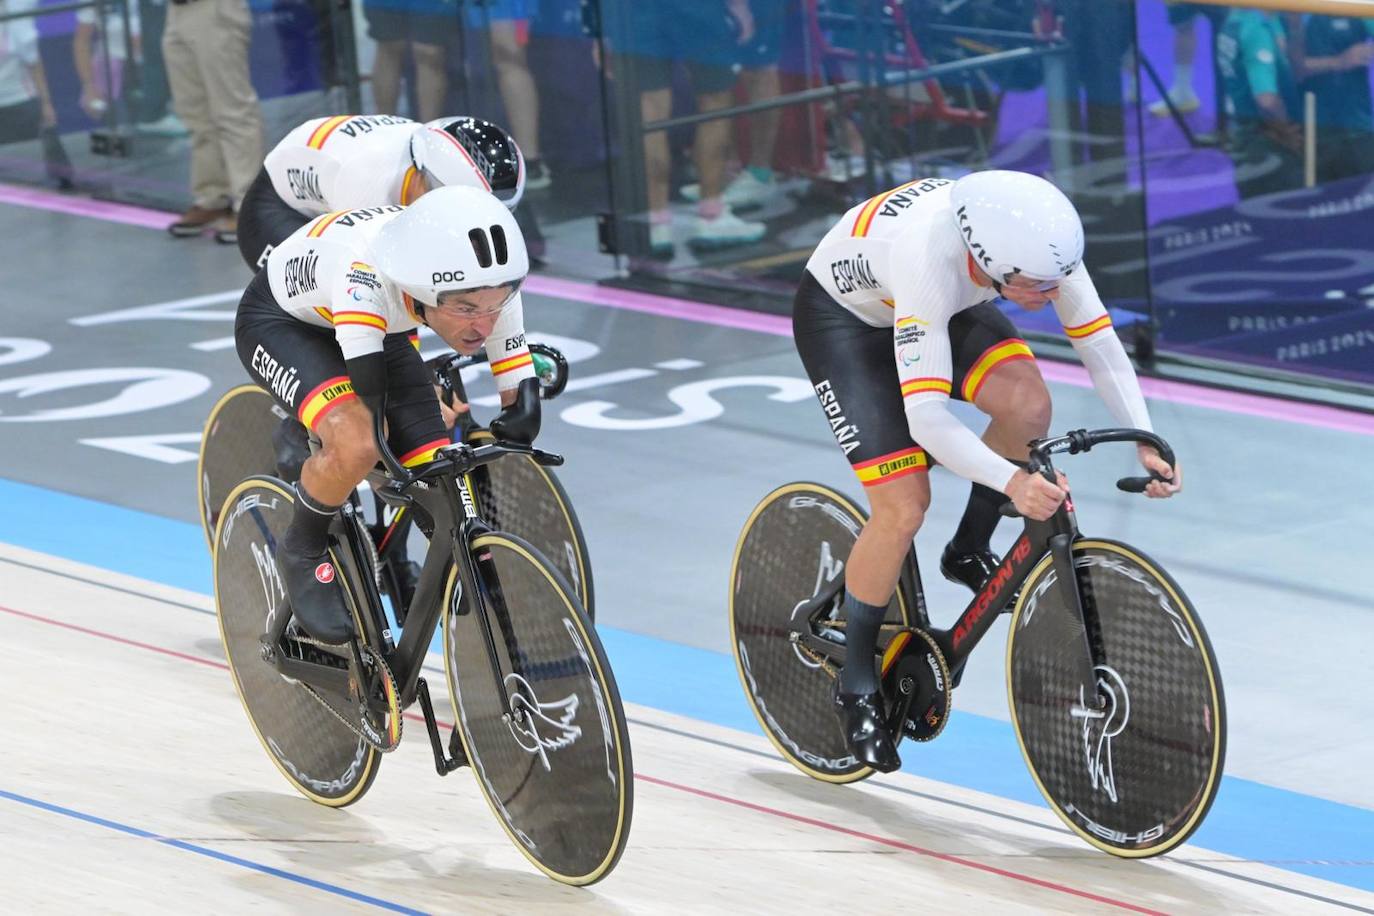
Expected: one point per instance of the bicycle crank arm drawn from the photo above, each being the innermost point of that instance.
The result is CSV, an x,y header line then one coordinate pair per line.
x,y
442,763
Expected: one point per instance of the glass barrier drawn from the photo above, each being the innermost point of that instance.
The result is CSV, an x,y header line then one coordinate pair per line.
x,y
1258,159
110,127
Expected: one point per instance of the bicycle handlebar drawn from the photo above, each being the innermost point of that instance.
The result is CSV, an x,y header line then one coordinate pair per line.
x,y
1082,440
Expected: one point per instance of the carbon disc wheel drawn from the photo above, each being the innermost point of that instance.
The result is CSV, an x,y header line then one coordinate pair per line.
x,y
236,443
317,753
554,762
1129,755
796,540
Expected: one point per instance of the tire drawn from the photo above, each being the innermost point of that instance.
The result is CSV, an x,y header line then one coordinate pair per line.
x,y
563,787
236,443
324,760
1135,778
519,496
798,535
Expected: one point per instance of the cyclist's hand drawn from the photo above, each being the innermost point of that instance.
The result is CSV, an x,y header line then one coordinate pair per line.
x,y
1034,496
1158,489
450,414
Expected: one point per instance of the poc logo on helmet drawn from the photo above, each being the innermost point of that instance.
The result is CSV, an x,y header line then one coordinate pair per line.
x,y
447,276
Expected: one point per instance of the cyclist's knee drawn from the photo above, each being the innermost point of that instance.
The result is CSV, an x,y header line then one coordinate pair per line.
x,y
347,444
1017,399
899,507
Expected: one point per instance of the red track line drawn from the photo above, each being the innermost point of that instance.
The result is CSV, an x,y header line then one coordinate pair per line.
x,y
113,638
895,844
691,790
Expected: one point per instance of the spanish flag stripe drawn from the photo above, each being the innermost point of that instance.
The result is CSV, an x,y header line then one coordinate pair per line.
x,y
368,318
908,321
890,456
324,223
508,365
875,479
864,220
920,385
312,418
1005,352
1091,327
324,313
415,339
360,324
423,454
315,405
321,134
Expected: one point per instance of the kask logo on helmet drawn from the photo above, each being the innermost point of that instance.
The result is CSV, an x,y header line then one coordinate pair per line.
x,y
447,276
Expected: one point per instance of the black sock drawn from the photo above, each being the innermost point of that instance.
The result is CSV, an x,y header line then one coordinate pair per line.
x,y
309,529
981,516
980,520
860,673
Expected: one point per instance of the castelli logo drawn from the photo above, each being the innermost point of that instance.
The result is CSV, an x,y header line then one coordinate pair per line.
x,y
324,573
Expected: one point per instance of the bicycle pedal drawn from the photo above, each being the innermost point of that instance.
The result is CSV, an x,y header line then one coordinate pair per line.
x,y
457,757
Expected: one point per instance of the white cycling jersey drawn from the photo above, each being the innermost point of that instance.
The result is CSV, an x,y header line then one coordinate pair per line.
x,y
327,164
898,260
323,275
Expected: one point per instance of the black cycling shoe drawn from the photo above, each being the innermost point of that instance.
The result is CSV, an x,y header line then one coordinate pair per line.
x,y
973,569
862,721
316,599
970,569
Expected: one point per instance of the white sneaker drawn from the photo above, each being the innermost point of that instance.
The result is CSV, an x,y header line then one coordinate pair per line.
x,y
744,191
169,125
661,240
1185,102
725,231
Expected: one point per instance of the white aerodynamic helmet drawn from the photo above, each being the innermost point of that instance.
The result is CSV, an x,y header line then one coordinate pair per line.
x,y
1017,223
470,152
453,239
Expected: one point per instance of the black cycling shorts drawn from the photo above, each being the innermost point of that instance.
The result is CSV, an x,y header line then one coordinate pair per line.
x,y
265,220
303,369
854,371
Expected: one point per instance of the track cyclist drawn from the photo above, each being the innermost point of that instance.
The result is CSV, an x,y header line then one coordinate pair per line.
x,y
893,317
348,161
326,327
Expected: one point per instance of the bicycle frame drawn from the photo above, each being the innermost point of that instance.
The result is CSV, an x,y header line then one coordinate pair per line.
x,y
439,498
1054,537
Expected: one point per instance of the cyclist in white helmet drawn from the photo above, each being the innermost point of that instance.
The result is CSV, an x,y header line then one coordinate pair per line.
x,y
894,317
336,163
327,326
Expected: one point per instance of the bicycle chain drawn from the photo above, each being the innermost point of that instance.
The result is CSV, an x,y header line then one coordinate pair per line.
x,y
378,743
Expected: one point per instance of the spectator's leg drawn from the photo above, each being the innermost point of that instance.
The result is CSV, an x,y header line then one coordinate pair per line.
x,y
763,84
222,52
386,75
190,98
711,149
518,90
656,105
431,81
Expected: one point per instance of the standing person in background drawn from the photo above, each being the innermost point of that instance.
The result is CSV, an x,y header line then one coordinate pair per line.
x,y
705,36
426,26
205,46
25,105
509,25
1331,56
760,79
1261,102
1183,19
100,53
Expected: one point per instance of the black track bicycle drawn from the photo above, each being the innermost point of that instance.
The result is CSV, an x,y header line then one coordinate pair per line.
x,y
244,436
1115,696
537,713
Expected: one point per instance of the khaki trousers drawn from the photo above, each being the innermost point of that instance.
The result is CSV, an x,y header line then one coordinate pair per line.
x,y
205,47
